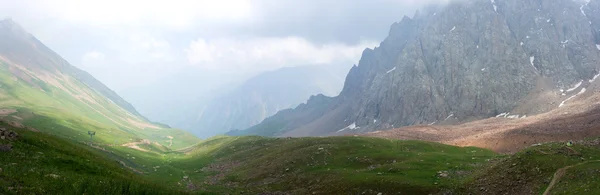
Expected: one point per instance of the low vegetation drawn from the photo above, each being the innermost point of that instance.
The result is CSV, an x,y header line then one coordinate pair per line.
x,y
39,163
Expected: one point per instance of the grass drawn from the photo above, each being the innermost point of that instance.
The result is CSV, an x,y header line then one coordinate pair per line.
x,y
336,164
583,179
44,164
531,170
68,108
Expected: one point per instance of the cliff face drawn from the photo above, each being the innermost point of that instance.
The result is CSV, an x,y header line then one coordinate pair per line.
x,y
467,60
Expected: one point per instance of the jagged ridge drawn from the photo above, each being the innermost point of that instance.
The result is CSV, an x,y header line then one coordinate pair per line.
x,y
465,61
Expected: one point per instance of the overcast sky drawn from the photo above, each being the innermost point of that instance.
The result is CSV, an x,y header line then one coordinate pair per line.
x,y
129,43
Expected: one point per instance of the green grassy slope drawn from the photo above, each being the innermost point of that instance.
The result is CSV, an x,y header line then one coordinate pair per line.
x,y
52,109
332,165
52,95
582,179
356,165
532,170
44,164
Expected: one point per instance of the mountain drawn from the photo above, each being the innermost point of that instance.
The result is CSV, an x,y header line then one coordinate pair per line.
x,y
265,94
461,62
38,88
177,99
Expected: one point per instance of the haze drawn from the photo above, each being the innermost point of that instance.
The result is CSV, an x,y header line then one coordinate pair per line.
x,y
179,53
300,97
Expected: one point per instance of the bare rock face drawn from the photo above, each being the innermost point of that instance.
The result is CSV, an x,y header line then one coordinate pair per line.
x,y
467,60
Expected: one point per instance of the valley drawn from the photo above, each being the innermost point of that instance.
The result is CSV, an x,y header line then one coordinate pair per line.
x,y
464,97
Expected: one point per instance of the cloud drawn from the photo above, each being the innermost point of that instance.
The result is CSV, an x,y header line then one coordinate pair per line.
x,y
128,60
174,14
130,43
145,49
330,20
93,56
269,53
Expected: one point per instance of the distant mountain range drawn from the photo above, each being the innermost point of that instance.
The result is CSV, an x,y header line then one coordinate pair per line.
x,y
265,95
457,63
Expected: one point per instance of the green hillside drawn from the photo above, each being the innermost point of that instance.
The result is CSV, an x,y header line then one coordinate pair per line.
x,y
42,163
574,171
40,89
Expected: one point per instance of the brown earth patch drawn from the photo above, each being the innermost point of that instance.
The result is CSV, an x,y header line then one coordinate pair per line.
x,y
6,112
575,121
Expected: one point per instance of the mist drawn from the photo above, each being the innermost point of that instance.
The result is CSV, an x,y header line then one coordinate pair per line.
x,y
169,60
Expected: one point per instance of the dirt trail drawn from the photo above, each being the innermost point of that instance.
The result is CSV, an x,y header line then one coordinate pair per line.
x,y
560,173
170,140
134,145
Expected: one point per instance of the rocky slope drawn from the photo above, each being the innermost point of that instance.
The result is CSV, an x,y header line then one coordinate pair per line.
x,y
464,61
264,95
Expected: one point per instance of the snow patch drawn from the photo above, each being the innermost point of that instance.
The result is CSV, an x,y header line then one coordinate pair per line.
x,y
477,46
351,127
432,123
575,87
513,116
391,70
435,13
507,115
598,46
449,116
527,37
565,42
563,102
581,9
580,92
531,59
453,28
521,43
483,69
595,77
502,115
548,20
494,4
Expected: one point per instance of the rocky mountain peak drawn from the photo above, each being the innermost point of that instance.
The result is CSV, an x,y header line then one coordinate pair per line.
x,y
464,61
